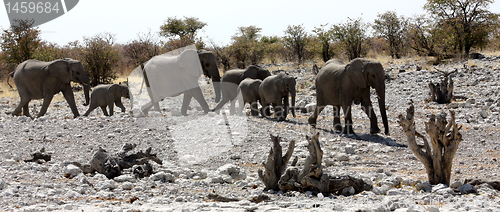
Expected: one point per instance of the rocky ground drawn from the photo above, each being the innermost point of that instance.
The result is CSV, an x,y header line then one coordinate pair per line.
x,y
206,158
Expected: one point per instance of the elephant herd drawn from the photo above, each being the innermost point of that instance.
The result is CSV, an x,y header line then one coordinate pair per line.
x,y
337,84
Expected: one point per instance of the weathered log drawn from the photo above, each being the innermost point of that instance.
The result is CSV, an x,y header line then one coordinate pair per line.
x,y
436,155
312,178
276,164
442,93
112,165
475,182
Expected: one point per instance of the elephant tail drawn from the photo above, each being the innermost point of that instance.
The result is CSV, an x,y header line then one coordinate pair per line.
x,y
10,75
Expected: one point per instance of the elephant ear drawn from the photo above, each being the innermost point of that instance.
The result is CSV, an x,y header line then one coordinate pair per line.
x,y
355,72
60,69
280,83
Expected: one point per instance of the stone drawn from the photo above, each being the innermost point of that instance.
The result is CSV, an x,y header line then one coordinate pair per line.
x,y
71,171
398,192
127,186
382,190
467,189
456,184
106,185
125,178
423,187
2,184
162,176
349,150
342,157
437,187
233,171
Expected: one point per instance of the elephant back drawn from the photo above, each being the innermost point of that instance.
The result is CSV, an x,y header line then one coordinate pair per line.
x,y
171,75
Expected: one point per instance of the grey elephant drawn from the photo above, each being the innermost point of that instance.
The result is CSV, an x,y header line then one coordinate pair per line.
x,y
249,89
341,85
107,96
275,91
232,78
169,76
36,79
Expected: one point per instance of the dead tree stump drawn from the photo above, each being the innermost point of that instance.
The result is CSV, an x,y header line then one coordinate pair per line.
x,y
312,178
276,164
111,165
436,155
442,93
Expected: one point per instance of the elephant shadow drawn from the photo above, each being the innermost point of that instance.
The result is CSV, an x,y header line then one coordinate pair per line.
x,y
374,138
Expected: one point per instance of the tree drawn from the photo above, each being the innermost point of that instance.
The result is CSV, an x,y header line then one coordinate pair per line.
x,y
273,47
48,51
20,42
325,38
391,27
181,32
99,57
352,37
296,39
142,49
469,20
246,47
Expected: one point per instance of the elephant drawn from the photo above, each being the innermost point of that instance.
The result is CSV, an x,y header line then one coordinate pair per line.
x,y
168,76
274,91
107,96
232,78
340,85
249,89
38,79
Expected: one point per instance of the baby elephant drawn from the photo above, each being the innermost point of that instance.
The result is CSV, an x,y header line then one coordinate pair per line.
x,y
108,95
250,92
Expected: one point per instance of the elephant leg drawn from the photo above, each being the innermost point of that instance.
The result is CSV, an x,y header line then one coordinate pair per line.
x,y
111,106
185,103
320,105
145,108
241,104
337,126
198,95
348,120
46,102
119,104
70,98
91,108
232,107
254,108
26,110
103,108
367,107
286,106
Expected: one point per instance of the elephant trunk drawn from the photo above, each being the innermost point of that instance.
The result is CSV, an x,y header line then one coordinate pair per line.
x,y
86,90
381,104
292,93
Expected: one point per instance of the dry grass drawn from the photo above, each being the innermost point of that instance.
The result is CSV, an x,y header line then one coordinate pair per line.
x,y
6,91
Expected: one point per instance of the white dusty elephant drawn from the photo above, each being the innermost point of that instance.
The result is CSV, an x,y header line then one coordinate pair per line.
x,y
275,91
341,85
249,89
107,96
37,79
168,76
